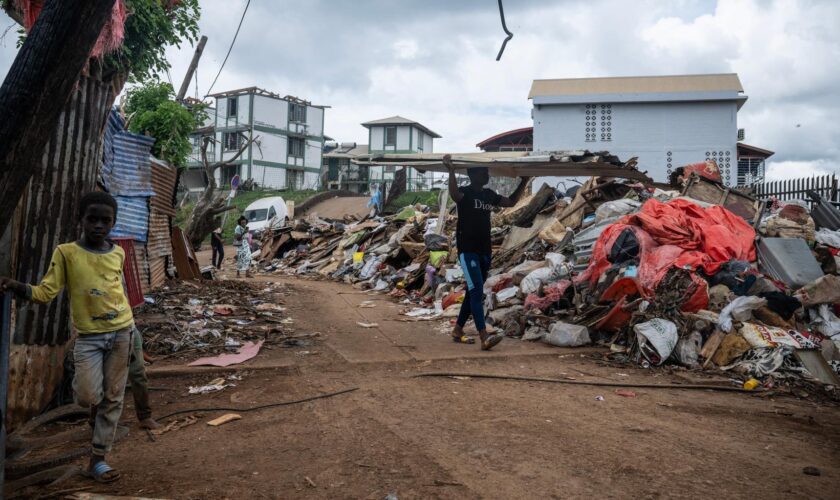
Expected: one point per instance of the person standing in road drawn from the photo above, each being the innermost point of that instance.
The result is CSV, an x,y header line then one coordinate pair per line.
x,y
243,247
218,246
475,204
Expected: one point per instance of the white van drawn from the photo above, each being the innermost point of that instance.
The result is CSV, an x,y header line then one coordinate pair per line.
x,y
261,212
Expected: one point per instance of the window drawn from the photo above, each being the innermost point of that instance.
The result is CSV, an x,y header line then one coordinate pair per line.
x,y
272,213
296,147
257,215
294,179
231,107
420,136
391,136
297,112
231,140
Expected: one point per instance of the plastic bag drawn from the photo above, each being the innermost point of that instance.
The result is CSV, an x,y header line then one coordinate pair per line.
x,y
615,208
657,339
535,279
825,321
828,237
688,349
739,309
567,335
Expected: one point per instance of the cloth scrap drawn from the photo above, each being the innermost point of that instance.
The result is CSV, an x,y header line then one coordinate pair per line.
x,y
248,351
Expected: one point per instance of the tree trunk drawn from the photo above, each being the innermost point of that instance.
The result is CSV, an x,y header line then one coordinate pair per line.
x,y
37,87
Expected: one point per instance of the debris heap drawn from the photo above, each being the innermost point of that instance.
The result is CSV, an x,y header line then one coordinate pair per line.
x,y
692,273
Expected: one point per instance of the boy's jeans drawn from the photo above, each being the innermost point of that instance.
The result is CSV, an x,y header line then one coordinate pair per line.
x,y
101,361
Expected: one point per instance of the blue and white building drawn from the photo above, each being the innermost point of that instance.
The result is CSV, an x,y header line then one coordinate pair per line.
x,y
665,121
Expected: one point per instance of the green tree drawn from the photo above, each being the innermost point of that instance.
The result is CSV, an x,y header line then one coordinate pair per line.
x,y
152,110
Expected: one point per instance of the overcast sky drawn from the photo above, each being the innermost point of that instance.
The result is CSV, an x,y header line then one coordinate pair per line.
x,y
434,61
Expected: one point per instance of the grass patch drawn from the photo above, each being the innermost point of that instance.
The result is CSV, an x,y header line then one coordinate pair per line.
x,y
429,198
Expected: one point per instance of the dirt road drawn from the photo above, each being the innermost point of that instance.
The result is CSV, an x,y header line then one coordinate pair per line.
x,y
467,438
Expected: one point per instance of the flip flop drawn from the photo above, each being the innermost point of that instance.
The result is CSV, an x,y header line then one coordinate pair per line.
x,y
463,339
491,341
101,471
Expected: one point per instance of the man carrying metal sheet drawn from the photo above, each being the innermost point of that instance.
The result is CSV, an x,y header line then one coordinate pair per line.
x,y
475,204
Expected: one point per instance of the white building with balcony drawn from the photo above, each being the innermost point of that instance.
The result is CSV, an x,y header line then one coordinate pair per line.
x,y
398,135
287,153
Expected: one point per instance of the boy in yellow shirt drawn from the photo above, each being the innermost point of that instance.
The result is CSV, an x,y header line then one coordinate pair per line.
x,y
91,269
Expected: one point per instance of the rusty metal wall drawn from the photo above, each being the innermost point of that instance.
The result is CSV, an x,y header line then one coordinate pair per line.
x,y
48,217
157,272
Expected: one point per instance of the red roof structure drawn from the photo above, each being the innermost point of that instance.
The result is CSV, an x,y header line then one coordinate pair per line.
x,y
521,139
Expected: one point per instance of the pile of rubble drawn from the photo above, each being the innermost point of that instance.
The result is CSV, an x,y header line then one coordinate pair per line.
x,y
187,320
690,273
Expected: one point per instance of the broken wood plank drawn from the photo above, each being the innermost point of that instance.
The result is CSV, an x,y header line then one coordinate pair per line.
x,y
711,346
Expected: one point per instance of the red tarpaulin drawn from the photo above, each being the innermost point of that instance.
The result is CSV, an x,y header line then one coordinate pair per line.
x,y
678,233
111,37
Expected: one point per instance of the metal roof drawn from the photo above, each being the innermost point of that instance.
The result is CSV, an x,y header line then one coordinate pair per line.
x,y
519,163
746,150
637,84
723,86
510,134
399,120
348,152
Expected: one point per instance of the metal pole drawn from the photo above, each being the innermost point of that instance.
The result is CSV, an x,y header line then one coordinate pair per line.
x,y
5,339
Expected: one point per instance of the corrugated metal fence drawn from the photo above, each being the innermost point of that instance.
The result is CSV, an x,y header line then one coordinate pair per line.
x,y
797,189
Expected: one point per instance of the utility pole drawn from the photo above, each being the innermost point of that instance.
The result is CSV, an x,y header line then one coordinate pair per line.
x,y
191,70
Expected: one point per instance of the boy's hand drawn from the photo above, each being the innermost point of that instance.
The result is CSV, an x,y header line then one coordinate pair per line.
x,y
8,284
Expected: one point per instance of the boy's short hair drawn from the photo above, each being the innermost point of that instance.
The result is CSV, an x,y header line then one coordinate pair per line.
x,y
96,198
241,218
477,170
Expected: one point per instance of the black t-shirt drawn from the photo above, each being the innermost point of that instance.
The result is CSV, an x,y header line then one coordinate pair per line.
x,y
474,209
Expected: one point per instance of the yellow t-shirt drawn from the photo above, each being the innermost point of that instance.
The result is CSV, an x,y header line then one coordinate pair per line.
x,y
98,303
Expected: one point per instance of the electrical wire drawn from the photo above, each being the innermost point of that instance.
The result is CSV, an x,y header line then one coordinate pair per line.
x,y
262,407
229,48
583,382
504,27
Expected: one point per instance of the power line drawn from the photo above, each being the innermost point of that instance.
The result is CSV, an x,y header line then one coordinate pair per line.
x,y
229,48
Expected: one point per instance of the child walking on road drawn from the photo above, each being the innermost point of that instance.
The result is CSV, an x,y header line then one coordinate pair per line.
x,y
92,271
475,204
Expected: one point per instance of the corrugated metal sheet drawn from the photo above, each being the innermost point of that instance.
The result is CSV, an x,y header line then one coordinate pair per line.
x,y
636,85
160,242
164,179
132,218
50,211
157,272
49,216
132,172
143,269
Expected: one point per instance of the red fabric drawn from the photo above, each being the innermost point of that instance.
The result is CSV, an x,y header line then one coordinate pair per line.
x,y
503,283
111,37
551,294
718,234
678,233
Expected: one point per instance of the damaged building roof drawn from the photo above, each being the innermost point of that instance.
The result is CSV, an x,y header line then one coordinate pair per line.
x,y
399,120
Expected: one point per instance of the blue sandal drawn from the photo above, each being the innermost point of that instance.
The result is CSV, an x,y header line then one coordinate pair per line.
x,y
103,473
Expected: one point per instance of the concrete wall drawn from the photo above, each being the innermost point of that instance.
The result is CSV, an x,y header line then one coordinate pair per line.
x,y
270,112
663,136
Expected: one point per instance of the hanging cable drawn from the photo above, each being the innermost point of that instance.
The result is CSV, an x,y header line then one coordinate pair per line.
x,y
229,48
504,27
